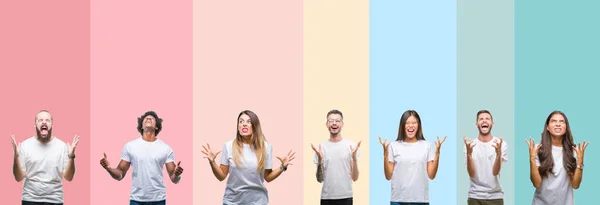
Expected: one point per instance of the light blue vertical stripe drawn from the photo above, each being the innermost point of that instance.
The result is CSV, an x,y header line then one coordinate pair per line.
x,y
413,66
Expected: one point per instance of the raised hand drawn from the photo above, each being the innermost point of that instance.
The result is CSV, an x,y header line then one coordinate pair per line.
x,y
438,144
533,149
15,145
497,144
178,170
469,145
355,150
104,162
385,144
319,152
580,149
73,146
285,161
209,154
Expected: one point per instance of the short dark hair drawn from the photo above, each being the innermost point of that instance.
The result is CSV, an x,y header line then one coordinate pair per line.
x,y
334,111
158,122
482,112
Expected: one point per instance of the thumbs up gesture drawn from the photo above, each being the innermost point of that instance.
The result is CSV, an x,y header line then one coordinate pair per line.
x,y
104,162
178,170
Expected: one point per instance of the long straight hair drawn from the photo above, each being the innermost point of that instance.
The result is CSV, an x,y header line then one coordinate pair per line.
x,y
257,142
401,133
545,152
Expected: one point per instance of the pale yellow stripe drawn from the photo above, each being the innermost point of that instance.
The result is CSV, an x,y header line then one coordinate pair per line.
x,y
336,76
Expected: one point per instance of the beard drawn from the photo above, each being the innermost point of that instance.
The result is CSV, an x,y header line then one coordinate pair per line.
x,y
335,133
40,137
149,129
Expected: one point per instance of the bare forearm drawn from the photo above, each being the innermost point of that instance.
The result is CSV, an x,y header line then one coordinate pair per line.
x,y
534,175
432,171
269,177
116,174
17,171
577,176
387,167
320,172
355,172
497,166
174,179
70,171
470,166
217,171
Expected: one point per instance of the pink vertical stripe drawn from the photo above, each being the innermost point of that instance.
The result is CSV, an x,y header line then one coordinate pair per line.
x,y
44,63
141,60
248,55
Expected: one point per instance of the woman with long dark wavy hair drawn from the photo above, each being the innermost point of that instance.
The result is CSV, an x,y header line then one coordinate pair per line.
x,y
556,164
247,161
410,161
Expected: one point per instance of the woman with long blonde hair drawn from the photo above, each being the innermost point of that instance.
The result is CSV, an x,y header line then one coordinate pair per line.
x,y
247,161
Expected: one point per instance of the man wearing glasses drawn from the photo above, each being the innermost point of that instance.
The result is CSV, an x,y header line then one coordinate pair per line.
x,y
336,163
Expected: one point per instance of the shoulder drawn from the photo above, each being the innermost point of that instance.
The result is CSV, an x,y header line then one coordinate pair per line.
x,y
348,142
58,142
133,142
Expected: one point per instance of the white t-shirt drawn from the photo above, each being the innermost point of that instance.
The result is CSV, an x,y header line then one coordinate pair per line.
x,y
556,189
337,169
147,160
245,185
410,180
485,185
43,165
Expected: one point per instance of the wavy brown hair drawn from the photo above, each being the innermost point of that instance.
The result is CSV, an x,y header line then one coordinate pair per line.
x,y
401,128
257,142
545,152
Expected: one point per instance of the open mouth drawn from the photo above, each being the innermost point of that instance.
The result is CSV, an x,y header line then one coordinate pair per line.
x,y
410,131
557,129
485,127
44,130
244,130
335,129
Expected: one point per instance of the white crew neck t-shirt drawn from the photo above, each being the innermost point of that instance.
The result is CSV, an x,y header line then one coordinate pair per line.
x,y
337,169
147,160
410,180
245,186
43,165
485,185
556,189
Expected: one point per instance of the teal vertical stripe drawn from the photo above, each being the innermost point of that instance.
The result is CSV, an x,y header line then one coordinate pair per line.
x,y
557,68
485,80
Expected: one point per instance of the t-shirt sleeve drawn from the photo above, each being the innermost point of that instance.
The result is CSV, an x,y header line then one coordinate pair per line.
x,y
65,158
22,159
504,151
431,155
225,155
170,155
269,161
390,153
125,154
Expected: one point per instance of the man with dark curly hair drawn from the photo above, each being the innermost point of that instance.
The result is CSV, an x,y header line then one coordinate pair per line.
x,y
147,154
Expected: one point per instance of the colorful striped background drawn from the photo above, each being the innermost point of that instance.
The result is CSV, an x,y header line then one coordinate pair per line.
x,y
97,65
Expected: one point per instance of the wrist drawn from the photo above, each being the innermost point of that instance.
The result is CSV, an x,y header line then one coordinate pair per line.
x,y
284,168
